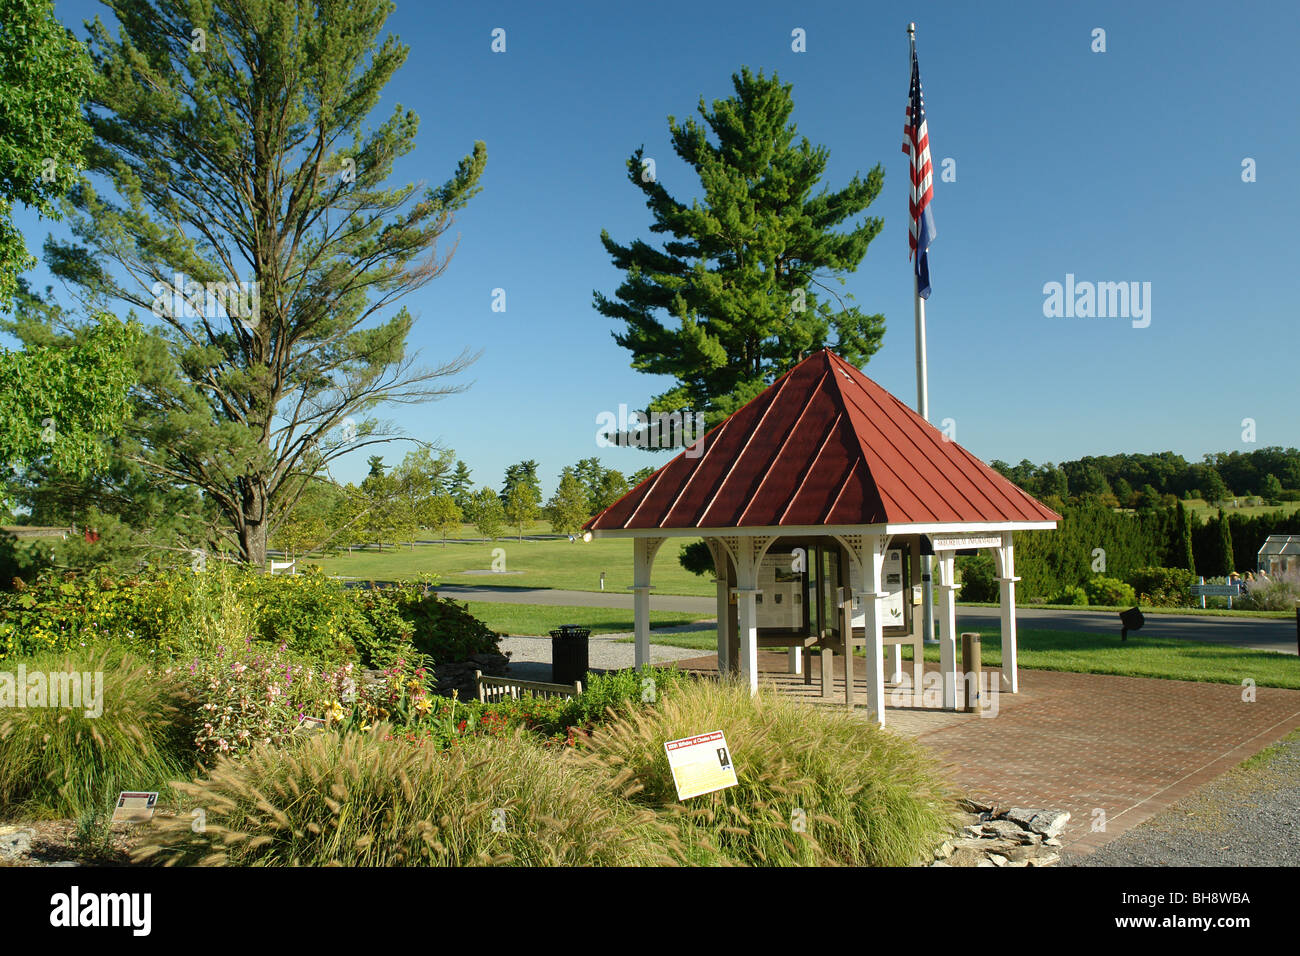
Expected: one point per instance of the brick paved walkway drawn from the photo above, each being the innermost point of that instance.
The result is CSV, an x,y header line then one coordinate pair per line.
x,y
1112,749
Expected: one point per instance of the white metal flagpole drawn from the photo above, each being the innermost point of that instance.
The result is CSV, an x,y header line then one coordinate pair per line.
x,y
922,396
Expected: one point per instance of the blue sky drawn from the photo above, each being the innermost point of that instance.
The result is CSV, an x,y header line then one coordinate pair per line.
x,y
1117,166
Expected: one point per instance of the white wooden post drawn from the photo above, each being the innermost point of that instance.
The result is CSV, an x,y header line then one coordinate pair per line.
x,y
895,652
748,552
643,556
870,565
747,613
795,663
720,580
948,628
1007,599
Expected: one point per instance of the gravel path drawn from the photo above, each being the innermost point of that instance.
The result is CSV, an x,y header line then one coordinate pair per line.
x,y
1248,817
530,657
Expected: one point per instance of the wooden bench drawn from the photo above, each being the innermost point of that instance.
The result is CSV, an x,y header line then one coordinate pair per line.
x,y
491,690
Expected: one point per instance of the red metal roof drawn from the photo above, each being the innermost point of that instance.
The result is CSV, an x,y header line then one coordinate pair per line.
x,y
823,445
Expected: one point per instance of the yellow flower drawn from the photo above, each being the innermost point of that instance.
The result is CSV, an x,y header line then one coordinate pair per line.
x,y
424,705
335,711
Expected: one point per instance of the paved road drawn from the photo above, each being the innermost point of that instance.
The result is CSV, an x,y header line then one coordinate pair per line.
x,y
1262,633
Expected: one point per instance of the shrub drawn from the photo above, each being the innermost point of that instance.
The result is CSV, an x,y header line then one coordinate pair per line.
x,y
1162,587
444,629
181,611
405,619
1071,595
1276,592
868,797
311,613
1108,591
696,558
978,578
60,763
362,800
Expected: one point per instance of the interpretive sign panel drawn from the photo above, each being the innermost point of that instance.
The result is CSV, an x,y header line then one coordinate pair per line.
x,y
700,764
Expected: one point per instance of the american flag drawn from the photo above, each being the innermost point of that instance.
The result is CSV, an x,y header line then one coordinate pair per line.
x,y
916,143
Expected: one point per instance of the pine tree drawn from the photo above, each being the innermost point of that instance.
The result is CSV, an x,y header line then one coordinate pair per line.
x,y
524,472
459,486
250,210
738,292
1180,552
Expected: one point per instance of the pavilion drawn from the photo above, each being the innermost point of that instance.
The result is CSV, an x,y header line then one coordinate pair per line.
x,y
817,500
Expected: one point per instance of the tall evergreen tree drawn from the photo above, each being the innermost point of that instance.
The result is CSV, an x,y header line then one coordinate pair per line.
x,y
460,486
251,215
525,473
1180,553
739,291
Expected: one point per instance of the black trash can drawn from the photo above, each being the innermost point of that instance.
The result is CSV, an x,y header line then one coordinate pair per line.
x,y
569,654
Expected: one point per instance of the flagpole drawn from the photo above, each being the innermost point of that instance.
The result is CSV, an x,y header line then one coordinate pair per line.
x,y
922,404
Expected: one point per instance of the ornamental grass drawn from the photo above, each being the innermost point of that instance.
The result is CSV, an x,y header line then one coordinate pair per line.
x,y
817,785
58,762
367,799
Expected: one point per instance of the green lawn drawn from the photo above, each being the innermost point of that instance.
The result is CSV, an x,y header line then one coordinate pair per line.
x,y
569,565
1146,609
539,619
1106,654
1206,510
1139,656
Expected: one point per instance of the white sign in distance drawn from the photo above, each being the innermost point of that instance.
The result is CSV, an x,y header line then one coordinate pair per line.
x,y
957,542
700,764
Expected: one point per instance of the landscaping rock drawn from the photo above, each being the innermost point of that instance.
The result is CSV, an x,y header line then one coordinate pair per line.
x,y
965,857
15,842
990,837
1046,823
1008,830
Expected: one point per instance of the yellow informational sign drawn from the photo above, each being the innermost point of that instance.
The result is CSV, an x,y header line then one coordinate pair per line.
x,y
134,807
700,764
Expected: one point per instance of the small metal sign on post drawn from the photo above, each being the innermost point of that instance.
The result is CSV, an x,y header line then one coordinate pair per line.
x,y
700,764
